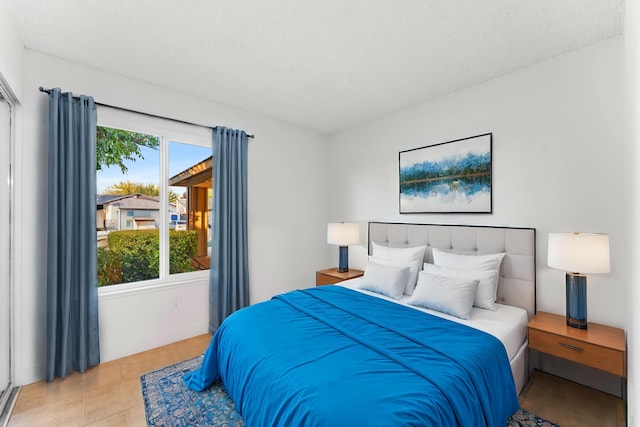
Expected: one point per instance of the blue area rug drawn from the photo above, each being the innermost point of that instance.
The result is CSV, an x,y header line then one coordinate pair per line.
x,y
168,402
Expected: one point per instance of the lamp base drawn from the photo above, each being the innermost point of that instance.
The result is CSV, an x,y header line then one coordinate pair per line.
x,y
576,300
343,259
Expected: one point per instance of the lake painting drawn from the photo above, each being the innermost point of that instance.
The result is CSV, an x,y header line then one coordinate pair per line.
x,y
450,177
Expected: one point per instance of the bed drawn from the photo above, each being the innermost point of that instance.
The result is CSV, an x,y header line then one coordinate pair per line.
x,y
345,355
517,276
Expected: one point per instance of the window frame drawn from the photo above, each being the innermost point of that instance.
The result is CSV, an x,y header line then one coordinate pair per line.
x,y
168,131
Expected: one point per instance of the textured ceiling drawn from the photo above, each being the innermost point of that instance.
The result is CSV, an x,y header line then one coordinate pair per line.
x,y
322,64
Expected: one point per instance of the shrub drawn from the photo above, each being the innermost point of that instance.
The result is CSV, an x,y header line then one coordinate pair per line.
x,y
139,250
109,267
183,245
133,255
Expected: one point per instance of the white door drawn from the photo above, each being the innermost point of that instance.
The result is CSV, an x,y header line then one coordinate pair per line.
x,y
5,242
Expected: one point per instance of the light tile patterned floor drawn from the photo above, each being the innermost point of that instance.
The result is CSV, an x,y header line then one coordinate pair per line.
x,y
106,395
571,405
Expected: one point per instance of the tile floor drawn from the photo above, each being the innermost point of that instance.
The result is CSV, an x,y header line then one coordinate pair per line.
x,y
106,395
571,405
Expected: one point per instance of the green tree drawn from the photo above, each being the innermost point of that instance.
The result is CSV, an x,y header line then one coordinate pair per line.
x,y
173,197
128,187
114,146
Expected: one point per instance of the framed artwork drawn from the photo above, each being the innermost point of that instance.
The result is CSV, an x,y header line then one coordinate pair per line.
x,y
450,177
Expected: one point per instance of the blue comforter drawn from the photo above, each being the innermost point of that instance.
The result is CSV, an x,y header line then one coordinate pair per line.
x,y
331,356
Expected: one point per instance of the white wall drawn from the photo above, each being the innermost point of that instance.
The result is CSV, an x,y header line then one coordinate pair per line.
x,y
10,52
286,213
558,150
632,81
559,164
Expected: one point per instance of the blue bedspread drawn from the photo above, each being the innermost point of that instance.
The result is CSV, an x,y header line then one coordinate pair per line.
x,y
331,356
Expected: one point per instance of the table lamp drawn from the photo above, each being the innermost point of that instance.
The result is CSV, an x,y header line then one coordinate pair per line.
x,y
343,234
578,254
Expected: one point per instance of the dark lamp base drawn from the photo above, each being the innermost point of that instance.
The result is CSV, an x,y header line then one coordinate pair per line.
x,y
343,259
575,323
576,300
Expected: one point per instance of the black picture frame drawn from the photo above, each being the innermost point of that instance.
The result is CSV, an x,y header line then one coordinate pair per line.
x,y
448,177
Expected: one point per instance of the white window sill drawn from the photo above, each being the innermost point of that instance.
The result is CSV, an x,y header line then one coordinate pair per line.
x,y
178,280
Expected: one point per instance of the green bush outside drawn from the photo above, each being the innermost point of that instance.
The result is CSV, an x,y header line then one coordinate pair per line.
x,y
109,267
183,245
134,255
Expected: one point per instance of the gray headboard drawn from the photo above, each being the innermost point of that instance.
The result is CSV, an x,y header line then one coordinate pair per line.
x,y
517,285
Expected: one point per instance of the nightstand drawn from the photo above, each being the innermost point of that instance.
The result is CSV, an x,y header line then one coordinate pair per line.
x,y
598,346
331,276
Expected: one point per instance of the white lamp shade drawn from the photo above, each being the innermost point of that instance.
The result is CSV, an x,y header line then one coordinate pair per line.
x,y
579,252
343,233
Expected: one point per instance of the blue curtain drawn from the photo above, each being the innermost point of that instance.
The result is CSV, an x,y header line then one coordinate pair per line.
x,y
72,293
229,276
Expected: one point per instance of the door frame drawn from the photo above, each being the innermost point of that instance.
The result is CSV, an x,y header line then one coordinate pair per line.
x,y
11,98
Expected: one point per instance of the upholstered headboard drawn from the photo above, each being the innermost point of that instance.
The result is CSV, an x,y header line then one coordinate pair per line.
x,y
517,284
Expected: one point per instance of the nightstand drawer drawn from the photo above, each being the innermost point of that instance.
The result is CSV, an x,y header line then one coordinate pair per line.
x,y
606,359
332,276
324,279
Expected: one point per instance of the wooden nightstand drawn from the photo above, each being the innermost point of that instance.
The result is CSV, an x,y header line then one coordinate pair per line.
x,y
601,347
331,276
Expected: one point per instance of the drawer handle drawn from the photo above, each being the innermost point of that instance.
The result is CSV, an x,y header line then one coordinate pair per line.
x,y
569,346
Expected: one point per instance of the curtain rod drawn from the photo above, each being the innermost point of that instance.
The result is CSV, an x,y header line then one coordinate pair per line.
x,y
48,91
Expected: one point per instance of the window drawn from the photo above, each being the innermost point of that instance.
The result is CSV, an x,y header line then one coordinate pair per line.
x,y
154,186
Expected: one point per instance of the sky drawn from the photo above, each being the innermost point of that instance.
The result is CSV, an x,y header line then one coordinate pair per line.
x,y
147,170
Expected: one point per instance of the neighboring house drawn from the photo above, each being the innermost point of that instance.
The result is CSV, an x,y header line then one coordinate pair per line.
x,y
181,205
102,200
128,212
178,213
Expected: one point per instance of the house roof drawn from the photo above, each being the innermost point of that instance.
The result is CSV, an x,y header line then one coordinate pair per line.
x,y
132,202
106,198
198,175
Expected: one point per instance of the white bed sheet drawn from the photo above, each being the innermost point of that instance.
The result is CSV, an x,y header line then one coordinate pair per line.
x,y
507,323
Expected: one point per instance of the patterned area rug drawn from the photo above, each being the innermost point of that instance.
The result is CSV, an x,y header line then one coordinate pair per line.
x,y
168,402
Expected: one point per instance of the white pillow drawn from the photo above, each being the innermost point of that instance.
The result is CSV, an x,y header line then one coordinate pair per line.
x,y
413,256
412,266
388,280
485,295
449,295
467,262
470,262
